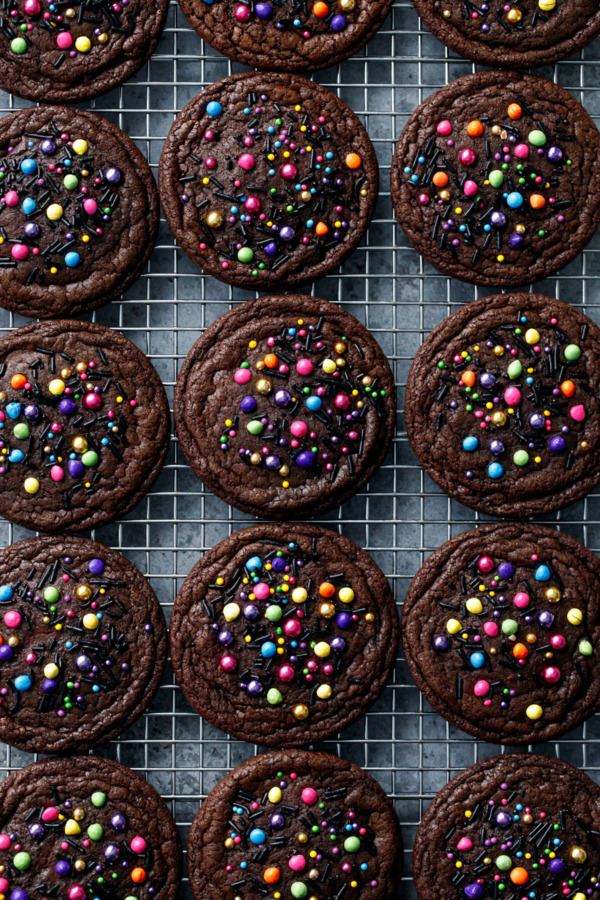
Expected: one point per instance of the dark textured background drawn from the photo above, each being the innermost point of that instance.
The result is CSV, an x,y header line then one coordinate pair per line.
x,y
402,516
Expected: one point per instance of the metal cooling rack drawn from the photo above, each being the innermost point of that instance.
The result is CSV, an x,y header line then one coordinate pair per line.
x,y
402,516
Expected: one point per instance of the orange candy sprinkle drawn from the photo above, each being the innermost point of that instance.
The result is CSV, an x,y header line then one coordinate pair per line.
x,y
475,128
468,378
440,179
519,876
327,589
353,160
322,228
271,361
520,651
514,111
320,9
138,875
272,875
537,201
18,381
568,388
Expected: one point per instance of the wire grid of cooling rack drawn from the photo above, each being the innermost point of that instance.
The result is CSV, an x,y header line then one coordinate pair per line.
x,y
402,516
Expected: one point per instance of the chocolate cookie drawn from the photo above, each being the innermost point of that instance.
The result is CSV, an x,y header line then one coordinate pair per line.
x,y
85,424
502,405
83,646
511,826
496,178
283,635
268,180
500,628
289,37
86,827
62,53
518,35
285,407
299,824
79,211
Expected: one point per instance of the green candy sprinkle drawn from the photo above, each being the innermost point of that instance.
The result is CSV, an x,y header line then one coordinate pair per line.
x,y
255,427
95,832
515,368
509,626
274,697
521,458
572,352
18,45
537,138
245,255
504,862
51,594
98,799
90,458
22,860
496,178
585,648
71,182
298,890
274,613
352,844
21,431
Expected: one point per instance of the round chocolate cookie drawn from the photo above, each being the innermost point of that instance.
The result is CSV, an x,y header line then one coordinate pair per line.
x,y
500,628
64,52
518,35
83,645
79,211
496,178
85,425
288,36
300,824
284,635
268,180
511,826
502,405
86,827
285,407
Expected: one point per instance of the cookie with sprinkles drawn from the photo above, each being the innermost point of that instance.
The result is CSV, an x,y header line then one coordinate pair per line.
x,y
86,827
502,405
295,824
496,179
61,52
500,629
84,425
284,635
518,34
83,644
79,211
285,407
268,180
519,825
292,36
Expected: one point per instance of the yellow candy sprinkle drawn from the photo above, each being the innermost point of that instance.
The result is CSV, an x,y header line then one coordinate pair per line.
x,y
453,626
83,44
231,611
324,692
31,485
474,605
534,711
274,795
80,146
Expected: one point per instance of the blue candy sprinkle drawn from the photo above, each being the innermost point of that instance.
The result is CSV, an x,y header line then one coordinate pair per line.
x,y
213,108
6,592
542,573
470,443
495,470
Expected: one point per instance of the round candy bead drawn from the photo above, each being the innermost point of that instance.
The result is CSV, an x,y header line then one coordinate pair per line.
x,y
213,108
481,687
585,648
309,796
537,138
470,443
534,711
